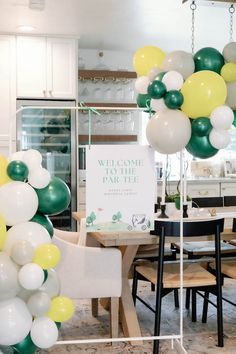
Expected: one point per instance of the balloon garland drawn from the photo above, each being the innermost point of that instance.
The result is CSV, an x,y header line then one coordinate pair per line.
x,y
31,308
193,98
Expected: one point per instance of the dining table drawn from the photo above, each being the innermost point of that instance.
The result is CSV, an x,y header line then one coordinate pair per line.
x,y
128,243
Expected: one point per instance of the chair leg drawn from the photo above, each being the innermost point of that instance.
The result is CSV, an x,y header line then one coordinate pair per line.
x,y
194,306
176,298
94,305
114,317
187,299
205,307
135,286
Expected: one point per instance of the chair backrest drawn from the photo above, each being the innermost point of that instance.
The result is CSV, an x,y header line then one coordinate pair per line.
x,y
87,272
190,227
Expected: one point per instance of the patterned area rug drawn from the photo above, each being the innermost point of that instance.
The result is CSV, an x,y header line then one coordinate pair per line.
x,y
198,338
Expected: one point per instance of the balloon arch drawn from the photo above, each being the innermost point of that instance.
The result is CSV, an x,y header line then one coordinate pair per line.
x,y
192,98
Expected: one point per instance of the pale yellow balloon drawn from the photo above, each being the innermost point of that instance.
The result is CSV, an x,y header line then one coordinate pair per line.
x,y
203,91
61,309
146,58
228,72
4,178
3,232
47,255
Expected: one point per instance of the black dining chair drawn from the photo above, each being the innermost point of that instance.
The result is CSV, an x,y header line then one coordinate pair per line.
x,y
166,276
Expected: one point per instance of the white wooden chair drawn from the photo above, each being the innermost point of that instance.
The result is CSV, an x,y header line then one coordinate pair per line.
x,y
89,272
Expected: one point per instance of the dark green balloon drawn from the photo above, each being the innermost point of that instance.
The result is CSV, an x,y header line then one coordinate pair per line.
x,y
160,75
143,101
208,59
156,89
45,275
58,324
26,346
44,221
17,170
201,126
234,122
54,198
199,146
174,99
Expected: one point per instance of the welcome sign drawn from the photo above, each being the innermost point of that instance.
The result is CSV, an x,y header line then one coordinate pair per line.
x,y
120,187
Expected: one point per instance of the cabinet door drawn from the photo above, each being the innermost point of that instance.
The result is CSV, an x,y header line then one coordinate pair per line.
x,y
204,190
61,68
228,189
7,89
31,67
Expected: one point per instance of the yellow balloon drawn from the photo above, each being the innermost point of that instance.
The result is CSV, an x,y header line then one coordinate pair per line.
x,y
47,255
228,72
3,232
146,58
203,91
61,309
4,178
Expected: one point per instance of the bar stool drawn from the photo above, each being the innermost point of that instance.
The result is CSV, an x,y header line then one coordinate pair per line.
x,y
167,278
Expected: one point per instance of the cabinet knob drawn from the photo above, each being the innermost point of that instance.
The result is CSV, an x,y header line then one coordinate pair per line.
x,y
50,93
44,93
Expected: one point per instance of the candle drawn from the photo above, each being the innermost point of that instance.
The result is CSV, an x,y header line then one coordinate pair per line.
x,y
163,194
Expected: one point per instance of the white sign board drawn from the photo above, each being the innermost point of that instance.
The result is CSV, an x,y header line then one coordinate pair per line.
x,y
120,187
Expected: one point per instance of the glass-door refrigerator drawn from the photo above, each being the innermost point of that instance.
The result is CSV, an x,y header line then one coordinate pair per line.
x,y
50,128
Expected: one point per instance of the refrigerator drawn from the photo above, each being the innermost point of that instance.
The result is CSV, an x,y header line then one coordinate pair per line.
x,y
50,128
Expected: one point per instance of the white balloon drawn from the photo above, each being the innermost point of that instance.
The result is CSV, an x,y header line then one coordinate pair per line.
x,y
31,276
39,177
158,104
141,84
173,80
52,285
16,321
30,231
18,202
44,332
18,155
231,94
39,303
180,61
32,158
219,139
222,117
229,52
153,73
168,131
9,285
22,252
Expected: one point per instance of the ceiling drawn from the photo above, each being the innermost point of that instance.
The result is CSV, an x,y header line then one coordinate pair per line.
x,y
123,25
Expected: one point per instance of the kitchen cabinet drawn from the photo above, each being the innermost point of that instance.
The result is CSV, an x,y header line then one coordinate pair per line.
x,y
46,67
8,92
204,190
228,189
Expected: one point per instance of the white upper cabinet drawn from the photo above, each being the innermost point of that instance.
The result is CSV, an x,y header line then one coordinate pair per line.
x,y
7,90
46,67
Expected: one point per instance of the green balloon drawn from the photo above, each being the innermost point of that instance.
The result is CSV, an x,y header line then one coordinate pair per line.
x,y
156,89
174,99
17,170
58,324
44,221
54,198
160,75
201,126
45,275
143,101
199,146
208,59
234,122
26,346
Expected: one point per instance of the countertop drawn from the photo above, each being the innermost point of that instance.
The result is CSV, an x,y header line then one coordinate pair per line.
x,y
203,180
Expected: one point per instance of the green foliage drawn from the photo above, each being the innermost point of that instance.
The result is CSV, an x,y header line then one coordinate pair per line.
x,y
90,219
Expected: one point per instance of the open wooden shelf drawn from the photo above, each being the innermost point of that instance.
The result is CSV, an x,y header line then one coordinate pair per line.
x,y
106,74
84,138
